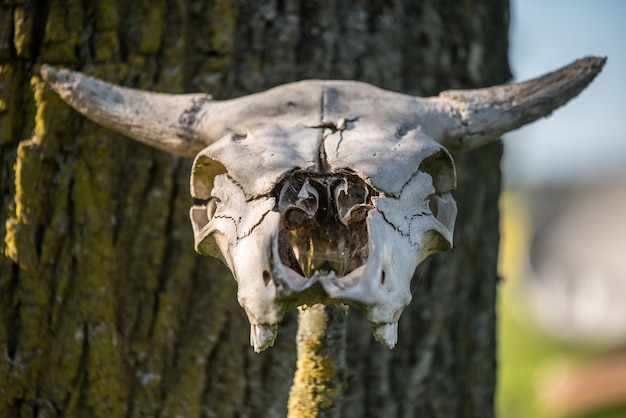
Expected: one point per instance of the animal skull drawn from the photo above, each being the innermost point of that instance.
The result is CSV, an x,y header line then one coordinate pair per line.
x,y
322,191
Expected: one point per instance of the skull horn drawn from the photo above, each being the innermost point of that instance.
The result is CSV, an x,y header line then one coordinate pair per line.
x,y
181,124
477,117
185,124
165,121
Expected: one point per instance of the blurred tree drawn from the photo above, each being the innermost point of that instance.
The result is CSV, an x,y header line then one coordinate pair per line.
x,y
105,310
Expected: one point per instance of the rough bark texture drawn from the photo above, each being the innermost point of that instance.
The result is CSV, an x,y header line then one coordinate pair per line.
x,y
105,311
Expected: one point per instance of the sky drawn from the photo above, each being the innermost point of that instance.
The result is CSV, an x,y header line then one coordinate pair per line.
x,y
587,137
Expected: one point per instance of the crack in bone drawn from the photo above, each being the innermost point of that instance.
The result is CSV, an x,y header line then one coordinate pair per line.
x,y
339,143
393,225
251,229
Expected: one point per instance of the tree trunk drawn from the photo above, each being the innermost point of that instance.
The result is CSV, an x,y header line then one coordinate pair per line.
x,y
105,309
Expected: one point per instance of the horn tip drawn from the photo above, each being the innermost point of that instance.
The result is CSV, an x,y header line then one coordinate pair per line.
x,y
54,77
48,72
595,60
485,114
591,64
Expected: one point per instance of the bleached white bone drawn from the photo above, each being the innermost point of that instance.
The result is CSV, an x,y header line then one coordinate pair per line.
x,y
386,334
262,336
322,191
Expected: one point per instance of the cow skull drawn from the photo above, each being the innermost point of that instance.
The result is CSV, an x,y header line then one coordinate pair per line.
x,y
322,191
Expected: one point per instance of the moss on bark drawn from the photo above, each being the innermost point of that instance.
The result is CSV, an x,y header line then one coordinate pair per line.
x,y
320,369
104,308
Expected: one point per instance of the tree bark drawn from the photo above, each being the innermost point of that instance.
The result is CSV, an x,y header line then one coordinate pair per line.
x,y
105,310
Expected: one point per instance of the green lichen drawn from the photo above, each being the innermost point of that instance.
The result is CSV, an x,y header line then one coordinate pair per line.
x,y
38,87
106,43
106,15
63,366
34,242
151,28
50,121
106,387
316,386
19,228
11,114
106,46
202,340
32,295
62,32
311,391
23,25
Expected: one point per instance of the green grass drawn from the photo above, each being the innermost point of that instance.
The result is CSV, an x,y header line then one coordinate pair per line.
x,y
524,356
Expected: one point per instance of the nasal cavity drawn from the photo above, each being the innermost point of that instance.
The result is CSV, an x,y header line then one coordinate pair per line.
x,y
322,228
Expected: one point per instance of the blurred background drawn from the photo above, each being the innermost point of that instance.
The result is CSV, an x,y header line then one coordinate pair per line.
x,y
562,301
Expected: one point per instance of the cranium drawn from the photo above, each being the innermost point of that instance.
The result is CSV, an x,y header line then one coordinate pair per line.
x,y
322,191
